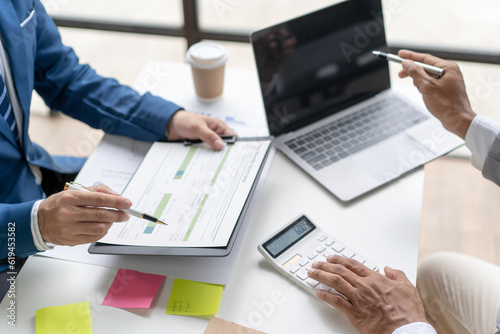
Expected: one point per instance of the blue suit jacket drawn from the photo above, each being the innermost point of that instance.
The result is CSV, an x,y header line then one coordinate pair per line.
x,y
40,61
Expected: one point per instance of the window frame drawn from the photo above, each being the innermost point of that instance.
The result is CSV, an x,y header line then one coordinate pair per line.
x,y
192,32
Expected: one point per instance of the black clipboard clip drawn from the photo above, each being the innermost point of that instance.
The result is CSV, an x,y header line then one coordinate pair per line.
x,y
226,139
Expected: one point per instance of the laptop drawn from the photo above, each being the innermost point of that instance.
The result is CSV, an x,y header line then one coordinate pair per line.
x,y
329,102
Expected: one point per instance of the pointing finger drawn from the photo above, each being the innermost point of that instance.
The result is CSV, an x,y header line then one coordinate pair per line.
x,y
332,280
350,265
100,199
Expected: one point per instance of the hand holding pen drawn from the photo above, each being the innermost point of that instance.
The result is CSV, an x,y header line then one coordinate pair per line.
x,y
130,211
436,72
446,98
79,217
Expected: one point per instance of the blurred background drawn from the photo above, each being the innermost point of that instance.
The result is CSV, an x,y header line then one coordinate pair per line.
x,y
117,37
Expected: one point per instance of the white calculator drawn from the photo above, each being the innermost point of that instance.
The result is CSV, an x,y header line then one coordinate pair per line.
x,y
294,248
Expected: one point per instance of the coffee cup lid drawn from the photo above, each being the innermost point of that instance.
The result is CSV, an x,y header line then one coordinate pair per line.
x,y
206,55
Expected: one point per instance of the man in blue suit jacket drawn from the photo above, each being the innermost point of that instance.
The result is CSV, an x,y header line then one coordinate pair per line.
x,y
35,58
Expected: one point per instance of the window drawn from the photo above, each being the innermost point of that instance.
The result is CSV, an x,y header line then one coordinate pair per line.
x,y
458,29
151,12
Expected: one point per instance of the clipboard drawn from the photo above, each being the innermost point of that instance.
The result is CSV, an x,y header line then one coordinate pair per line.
x,y
105,248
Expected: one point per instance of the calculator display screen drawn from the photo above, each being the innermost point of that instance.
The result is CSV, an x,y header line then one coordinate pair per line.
x,y
288,237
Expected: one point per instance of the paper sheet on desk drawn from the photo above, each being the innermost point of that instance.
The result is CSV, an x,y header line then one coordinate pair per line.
x,y
194,298
199,192
113,162
63,319
133,289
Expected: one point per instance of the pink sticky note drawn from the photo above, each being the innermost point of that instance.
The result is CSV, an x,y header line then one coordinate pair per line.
x,y
132,289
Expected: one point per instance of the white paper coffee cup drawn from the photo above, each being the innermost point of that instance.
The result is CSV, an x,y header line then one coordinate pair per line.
x,y
208,60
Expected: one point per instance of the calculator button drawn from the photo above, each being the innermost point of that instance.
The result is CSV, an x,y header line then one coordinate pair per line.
x,y
329,252
302,274
322,286
294,269
320,248
312,282
312,256
359,258
304,261
329,241
308,266
371,265
322,237
321,258
348,253
338,247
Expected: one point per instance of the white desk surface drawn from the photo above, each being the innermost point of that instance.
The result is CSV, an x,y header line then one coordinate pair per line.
x,y
383,225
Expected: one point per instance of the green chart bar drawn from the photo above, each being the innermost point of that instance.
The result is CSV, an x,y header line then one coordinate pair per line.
x,y
195,218
185,163
159,210
221,165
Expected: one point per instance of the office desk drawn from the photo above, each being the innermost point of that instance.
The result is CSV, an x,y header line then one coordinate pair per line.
x,y
383,225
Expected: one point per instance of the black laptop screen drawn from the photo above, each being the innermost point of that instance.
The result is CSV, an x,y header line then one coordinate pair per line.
x,y
320,63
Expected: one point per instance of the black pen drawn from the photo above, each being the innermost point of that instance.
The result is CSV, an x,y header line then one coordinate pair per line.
x,y
227,139
438,72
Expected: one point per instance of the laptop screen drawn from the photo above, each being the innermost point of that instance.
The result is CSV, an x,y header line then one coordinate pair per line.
x,y
315,65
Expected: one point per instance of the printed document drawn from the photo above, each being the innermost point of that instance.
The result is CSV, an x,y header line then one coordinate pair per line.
x,y
197,191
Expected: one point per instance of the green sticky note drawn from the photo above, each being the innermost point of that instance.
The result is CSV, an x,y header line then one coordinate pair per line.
x,y
194,298
73,318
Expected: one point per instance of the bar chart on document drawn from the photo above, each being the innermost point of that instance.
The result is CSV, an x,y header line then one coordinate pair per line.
x,y
197,191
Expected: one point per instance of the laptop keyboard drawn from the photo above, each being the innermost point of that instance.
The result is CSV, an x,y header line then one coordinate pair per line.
x,y
345,136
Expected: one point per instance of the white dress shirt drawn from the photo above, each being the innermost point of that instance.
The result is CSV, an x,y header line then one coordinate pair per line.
x,y
498,322
481,134
40,244
416,328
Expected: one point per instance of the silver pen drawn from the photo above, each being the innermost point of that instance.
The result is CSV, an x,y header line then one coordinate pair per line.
x,y
438,72
132,212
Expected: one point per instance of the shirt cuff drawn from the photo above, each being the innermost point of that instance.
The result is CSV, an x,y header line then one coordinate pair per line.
x,y
35,230
416,328
479,138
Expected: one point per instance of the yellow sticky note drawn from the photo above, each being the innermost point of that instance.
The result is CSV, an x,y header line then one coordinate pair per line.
x,y
194,298
73,318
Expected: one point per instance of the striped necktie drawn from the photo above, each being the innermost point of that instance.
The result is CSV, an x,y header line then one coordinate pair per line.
x,y
6,109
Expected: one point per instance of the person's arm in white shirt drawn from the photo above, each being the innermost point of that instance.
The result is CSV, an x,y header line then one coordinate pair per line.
x,y
446,98
498,322
480,138
415,328
483,139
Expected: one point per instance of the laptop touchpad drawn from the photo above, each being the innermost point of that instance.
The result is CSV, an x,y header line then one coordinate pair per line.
x,y
391,158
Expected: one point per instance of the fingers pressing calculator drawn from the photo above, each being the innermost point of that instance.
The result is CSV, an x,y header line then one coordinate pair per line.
x,y
294,248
